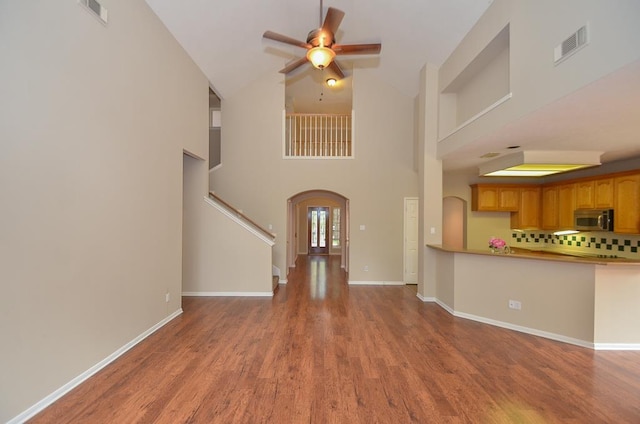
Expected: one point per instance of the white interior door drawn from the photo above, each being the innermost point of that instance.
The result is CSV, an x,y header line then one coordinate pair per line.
x,y
411,240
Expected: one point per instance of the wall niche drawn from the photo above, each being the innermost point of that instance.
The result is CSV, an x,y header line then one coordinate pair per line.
x,y
482,86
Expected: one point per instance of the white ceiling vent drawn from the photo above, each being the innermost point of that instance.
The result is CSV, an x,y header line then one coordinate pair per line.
x,y
95,9
575,42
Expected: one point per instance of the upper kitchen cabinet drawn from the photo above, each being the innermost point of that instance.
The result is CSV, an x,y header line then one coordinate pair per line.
x,y
511,67
550,208
585,194
627,203
527,217
596,193
495,197
566,206
603,190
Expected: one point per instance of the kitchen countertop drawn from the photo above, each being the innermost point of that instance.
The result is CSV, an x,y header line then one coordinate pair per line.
x,y
521,253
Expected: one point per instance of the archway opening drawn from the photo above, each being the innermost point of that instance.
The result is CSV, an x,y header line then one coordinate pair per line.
x,y
305,230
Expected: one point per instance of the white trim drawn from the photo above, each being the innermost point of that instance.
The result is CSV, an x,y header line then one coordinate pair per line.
x,y
477,115
228,294
376,283
215,168
532,331
48,400
527,330
446,307
282,281
616,346
240,222
275,271
425,298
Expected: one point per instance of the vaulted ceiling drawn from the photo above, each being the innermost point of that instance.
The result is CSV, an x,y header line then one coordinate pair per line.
x,y
225,39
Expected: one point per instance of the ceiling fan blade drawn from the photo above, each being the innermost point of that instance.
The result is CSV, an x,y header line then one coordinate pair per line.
x,y
284,39
332,20
336,69
293,65
357,48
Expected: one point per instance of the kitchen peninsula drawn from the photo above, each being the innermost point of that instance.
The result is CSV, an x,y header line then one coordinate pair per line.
x,y
590,302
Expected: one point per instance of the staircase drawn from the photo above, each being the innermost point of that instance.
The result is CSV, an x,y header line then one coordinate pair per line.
x,y
225,253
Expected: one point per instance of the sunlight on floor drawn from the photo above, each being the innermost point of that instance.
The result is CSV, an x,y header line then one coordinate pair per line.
x,y
318,277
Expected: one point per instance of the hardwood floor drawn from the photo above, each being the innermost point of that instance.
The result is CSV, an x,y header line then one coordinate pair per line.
x,y
323,352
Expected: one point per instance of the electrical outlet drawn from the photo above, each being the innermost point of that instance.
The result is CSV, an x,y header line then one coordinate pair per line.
x,y
167,297
515,304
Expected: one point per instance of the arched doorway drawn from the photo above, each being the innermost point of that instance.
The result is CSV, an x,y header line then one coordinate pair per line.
x,y
300,236
454,228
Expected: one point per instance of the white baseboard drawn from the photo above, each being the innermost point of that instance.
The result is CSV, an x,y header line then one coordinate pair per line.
x,y
376,283
532,331
616,346
445,307
438,301
43,403
526,330
275,271
228,294
425,298
282,281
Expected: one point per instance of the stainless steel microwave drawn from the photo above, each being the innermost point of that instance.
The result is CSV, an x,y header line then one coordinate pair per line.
x,y
593,219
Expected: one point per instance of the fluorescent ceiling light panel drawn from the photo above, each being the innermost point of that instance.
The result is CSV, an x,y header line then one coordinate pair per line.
x,y
539,163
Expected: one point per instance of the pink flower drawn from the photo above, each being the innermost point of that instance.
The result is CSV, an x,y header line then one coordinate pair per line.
x,y
497,243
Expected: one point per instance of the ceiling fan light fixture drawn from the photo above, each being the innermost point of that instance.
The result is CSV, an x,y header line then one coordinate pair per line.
x,y
331,82
320,57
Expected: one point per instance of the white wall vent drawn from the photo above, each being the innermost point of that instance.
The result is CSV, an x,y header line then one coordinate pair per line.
x,y
575,42
96,9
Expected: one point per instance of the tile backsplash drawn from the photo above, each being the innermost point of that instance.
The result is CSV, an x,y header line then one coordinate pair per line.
x,y
598,243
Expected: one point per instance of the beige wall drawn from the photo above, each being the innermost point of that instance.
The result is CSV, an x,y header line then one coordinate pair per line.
x,y
256,178
534,32
220,256
585,304
93,123
430,180
445,279
556,297
616,310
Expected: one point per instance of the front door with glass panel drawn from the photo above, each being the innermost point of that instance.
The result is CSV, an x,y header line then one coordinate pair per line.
x,y
318,223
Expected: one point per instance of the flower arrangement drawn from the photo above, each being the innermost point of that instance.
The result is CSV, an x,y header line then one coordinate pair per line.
x,y
497,243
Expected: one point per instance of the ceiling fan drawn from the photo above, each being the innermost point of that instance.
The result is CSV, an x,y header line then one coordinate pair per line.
x,y
321,44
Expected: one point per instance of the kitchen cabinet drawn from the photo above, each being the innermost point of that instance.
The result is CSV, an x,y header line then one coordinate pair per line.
x,y
594,194
527,217
585,194
603,193
550,208
495,197
627,203
558,204
566,206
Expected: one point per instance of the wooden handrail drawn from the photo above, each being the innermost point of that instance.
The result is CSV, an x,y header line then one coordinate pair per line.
x,y
241,215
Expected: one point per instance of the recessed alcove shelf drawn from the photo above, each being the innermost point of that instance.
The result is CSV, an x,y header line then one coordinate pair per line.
x,y
481,87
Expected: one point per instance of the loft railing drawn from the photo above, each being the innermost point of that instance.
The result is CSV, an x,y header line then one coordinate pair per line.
x,y
312,135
